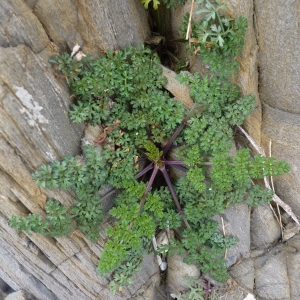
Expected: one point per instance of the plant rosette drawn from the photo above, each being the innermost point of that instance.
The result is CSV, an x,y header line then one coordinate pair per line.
x,y
122,91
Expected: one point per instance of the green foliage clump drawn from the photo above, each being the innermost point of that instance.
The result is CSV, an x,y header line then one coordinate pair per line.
x,y
168,3
122,91
58,221
216,38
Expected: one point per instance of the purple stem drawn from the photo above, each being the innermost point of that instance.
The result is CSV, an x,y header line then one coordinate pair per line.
x,y
144,171
173,162
179,167
151,180
155,170
174,136
176,164
170,186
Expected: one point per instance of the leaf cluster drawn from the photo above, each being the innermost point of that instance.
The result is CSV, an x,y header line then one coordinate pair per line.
x,y
85,176
168,3
58,221
216,38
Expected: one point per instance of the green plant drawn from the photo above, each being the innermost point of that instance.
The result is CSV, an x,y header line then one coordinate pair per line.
x,y
122,91
195,291
58,221
216,38
167,3
198,289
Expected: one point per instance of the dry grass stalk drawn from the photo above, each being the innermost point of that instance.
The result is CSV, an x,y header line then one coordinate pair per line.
x,y
278,218
224,234
188,32
276,199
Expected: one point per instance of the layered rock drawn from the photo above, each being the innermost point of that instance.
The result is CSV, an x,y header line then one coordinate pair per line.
x,y
35,129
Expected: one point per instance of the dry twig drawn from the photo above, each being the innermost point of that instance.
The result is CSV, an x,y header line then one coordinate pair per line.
x,y
188,32
278,218
224,234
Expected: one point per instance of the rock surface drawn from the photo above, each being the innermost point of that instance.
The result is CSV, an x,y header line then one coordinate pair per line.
x,y
279,69
178,272
20,295
236,222
265,229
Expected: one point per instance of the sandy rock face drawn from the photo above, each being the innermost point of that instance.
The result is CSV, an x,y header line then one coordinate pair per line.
x,y
278,40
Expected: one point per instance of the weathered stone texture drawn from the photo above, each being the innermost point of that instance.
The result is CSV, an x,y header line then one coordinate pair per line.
x,y
279,70
271,279
236,221
265,229
178,272
95,24
247,78
244,274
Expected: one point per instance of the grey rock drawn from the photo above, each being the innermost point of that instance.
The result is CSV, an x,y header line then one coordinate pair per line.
x,y
272,278
19,295
290,230
294,242
91,133
177,272
293,266
283,129
35,129
236,293
258,252
264,228
279,75
148,269
93,24
243,274
236,220
3,285
279,89
277,271
285,218
150,290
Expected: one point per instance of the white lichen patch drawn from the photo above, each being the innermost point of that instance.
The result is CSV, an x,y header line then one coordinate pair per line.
x,y
51,155
30,107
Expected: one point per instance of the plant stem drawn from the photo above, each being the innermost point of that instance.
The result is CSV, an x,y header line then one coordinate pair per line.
x,y
180,168
177,132
174,136
218,16
149,185
180,165
173,162
170,186
144,171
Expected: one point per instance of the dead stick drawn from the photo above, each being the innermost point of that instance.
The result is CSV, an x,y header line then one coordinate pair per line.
x,y
272,186
224,234
190,21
